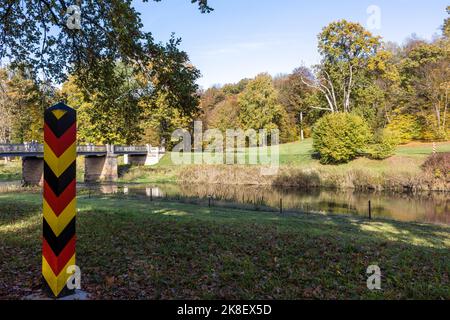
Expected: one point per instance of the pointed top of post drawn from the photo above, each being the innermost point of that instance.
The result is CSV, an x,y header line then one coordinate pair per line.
x,y
60,106
59,110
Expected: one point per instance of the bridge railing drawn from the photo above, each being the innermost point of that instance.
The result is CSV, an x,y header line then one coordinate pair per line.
x,y
22,148
39,148
156,150
125,149
146,148
91,149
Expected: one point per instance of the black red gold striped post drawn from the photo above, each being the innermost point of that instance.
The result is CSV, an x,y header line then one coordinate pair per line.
x,y
59,203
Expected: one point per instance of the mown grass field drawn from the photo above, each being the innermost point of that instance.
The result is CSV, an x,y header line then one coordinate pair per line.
x,y
139,249
300,153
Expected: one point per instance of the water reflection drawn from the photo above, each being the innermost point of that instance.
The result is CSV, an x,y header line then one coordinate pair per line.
x,y
421,207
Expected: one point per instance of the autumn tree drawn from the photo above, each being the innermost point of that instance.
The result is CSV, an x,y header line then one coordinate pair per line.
x,y
446,26
225,114
219,106
209,99
110,114
173,99
6,113
346,49
259,106
146,107
161,119
295,96
22,103
384,71
425,81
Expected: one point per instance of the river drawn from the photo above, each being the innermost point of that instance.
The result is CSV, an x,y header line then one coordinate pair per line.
x,y
430,207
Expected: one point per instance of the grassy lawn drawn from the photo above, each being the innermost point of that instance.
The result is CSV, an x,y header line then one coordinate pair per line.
x,y
407,159
156,250
10,171
300,153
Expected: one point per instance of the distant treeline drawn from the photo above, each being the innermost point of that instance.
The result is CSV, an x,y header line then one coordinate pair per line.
x,y
401,87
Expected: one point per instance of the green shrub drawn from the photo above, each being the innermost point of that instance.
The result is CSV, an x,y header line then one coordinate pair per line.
x,y
406,127
340,137
384,145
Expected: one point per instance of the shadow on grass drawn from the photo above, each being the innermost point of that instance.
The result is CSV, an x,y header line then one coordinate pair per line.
x,y
162,250
14,212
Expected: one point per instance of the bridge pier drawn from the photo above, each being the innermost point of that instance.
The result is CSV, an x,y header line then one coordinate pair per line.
x,y
100,168
151,158
33,171
153,155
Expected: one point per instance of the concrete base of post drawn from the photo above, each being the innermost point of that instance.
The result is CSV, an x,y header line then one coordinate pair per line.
x,y
41,295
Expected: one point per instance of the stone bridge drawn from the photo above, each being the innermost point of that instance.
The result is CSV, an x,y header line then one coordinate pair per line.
x,y
100,162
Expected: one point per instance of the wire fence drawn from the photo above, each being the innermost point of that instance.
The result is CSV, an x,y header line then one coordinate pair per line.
x,y
246,203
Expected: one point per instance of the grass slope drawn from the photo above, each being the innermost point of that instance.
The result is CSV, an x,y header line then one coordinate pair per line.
x,y
156,250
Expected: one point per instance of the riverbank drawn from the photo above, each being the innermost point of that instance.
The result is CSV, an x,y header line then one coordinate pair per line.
x,y
298,169
136,249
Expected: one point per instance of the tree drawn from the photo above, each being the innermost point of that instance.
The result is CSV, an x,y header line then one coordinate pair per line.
x,y
5,110
293,91
259,107
386,85
446,26
219,106
114,99
295,96
36,32
434,88
346,48
173,99
145,106
22,103
425,81
225,115
236,88
160,119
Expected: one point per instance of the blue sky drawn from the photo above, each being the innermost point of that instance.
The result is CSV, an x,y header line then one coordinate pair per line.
x,y
242,38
